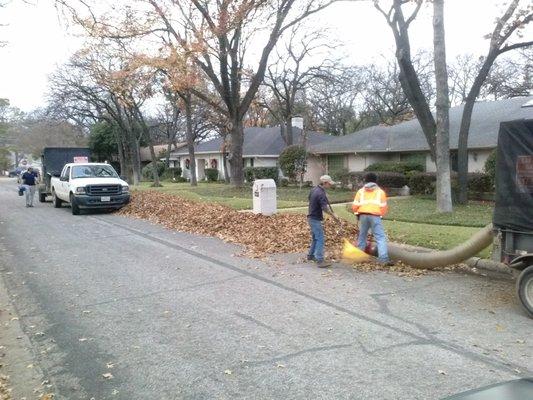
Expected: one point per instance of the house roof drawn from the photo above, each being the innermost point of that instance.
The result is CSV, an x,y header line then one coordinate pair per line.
x,y
408,136
265,142
145,155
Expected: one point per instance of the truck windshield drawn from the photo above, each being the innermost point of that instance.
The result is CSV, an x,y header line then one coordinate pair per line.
x,y
93,171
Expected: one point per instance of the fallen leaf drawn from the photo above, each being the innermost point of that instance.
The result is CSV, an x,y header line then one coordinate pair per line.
x,y
82,339
280,366
228,372
108,375
442,372
110,365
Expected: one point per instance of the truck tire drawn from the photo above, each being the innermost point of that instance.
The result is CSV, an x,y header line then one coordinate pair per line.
x,y
56,201
74,206
524,286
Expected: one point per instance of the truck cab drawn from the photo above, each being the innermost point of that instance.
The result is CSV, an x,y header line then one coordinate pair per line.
x,y
89,186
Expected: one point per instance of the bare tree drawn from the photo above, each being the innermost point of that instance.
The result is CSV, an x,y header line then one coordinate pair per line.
x,y
515,17
384,96
412,87
444,198
289,76
332,99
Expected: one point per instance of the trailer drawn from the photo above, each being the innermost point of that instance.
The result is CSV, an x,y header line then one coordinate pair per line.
x,y
53,160
513,208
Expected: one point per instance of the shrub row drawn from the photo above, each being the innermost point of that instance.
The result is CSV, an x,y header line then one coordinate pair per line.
x,y
211,174
401,167
253,173
425,183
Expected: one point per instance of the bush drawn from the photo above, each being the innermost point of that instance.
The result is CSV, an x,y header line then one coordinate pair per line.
x,y
211,174
490,167
343,176
481,183
385,179
253,173
422,183
293,161
284,182
148,170
401,167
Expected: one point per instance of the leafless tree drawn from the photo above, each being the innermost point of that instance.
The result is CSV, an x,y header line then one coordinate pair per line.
x,y
291,73
399,23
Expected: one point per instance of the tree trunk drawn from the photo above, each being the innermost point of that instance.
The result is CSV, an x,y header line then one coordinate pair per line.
x,y
190,141
153,156
121,158
235,149
288,132
462,153
444,197
225,162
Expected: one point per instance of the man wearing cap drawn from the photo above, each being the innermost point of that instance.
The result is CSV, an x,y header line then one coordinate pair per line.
x,y
318,204
29,179
370,205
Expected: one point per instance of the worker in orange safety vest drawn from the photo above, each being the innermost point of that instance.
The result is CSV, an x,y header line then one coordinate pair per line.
x,y
370,205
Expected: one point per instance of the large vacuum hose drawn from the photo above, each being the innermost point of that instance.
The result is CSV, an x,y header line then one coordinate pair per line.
x,y
436,259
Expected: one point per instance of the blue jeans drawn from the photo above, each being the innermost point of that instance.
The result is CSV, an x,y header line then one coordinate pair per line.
x,y
373,222
317,239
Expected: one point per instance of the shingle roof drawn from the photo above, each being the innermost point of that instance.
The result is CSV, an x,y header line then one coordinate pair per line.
x,y
259,142
408,136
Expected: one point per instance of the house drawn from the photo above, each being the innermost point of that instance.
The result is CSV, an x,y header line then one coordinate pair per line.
x,y
159,149
262,147
406,141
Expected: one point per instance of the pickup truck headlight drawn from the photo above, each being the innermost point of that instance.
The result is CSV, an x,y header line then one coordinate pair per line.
x,y
80,190
125,189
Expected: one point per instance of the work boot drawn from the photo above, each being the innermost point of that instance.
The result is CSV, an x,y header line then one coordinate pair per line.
x,y
311,258
323,264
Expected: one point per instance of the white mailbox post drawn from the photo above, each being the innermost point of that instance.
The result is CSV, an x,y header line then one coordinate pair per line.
x,y
264,195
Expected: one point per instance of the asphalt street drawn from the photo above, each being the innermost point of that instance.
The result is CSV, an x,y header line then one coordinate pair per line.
x,y
117,308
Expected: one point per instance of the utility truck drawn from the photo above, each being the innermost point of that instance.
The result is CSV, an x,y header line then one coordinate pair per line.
x,y
89,186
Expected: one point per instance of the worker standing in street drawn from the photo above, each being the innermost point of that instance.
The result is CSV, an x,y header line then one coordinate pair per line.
x,y
29,180
370,205
318,205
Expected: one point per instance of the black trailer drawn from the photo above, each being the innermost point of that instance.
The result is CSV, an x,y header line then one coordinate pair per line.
x,y
513,209
53,160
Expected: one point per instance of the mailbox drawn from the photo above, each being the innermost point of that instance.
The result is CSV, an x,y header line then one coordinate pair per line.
x,y
264,197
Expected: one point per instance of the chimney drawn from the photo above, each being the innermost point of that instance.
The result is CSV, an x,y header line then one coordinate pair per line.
x,y
297,122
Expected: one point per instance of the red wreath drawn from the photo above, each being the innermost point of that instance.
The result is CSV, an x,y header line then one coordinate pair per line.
x,y
187,163
214,163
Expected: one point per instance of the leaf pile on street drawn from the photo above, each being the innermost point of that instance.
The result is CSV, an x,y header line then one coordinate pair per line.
x,y
259,234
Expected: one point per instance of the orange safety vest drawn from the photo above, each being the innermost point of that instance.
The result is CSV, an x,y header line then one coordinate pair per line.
x,y
370,201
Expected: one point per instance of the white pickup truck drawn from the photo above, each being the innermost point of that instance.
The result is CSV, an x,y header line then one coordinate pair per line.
x,y
89,186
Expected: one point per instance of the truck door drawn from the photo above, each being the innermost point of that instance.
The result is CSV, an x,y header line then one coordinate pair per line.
x,y
64,184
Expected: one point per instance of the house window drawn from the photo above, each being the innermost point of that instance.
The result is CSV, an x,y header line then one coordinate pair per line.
x,y
336,163
454,161
251,162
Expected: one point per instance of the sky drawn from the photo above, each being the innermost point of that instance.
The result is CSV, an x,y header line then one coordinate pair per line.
x,y
38,40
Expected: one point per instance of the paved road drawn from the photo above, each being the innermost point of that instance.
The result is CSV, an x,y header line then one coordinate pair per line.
x,y
178,316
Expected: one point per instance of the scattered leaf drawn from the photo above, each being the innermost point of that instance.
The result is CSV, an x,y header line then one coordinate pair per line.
x,y
107,375
228,372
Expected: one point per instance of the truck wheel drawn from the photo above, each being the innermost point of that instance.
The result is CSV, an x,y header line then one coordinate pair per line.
x,y
524,286
73,206
55,200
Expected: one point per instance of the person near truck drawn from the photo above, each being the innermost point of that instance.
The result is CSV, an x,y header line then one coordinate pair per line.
x,y
29,180
318,205
370,205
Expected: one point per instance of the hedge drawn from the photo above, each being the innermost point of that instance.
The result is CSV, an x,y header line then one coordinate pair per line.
x,y
422,183
253,173
481,183
385,179
211,174
401,167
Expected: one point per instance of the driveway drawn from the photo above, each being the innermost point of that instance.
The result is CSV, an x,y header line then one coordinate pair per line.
x,y
116,308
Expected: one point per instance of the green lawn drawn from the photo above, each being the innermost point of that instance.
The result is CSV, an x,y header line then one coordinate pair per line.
x,y
241,199
415,209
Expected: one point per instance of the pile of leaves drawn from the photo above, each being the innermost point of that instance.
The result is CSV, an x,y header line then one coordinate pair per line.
x,y
259,234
